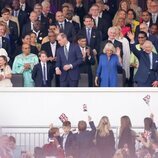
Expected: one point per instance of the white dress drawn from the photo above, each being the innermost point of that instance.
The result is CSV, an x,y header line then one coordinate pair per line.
x,y
6,82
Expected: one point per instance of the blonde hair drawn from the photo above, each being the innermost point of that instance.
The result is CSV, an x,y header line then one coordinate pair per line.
x,y
109,46
103,126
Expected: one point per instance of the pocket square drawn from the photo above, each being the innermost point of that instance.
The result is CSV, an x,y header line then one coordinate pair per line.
x,y
156,61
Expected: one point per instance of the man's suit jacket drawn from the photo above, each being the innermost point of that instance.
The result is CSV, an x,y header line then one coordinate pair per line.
x,y
103,26
40,36
95,40
13,30
22,18
37,74
74,58
86,67
50,18
44,22
47,47
154,40
144,65
68,30
70,146
155,22
26,28
112,7
6,46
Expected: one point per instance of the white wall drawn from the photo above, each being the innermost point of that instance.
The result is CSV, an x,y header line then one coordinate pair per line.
x,y
29,107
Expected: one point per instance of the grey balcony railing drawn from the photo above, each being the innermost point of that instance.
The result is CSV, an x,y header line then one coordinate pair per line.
x,y
28,137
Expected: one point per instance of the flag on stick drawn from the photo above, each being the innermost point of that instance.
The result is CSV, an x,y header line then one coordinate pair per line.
x,y
63,118
85,108
147,99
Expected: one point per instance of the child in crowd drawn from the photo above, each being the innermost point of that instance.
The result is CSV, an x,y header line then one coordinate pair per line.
x,y
5,72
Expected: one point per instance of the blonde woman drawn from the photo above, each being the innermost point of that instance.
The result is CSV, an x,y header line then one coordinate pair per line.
x,y
104,138
106,74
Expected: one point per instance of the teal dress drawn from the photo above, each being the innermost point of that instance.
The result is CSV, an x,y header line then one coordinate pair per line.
x,y
18,67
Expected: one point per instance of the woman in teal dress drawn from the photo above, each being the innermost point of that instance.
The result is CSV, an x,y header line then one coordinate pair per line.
x,y
107,69
24,63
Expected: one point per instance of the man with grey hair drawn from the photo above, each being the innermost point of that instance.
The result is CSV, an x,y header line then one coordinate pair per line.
x,y
147,74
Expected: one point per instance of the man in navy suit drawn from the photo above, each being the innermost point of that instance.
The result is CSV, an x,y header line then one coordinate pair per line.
x,y
64,26
92,34
147,74
43,72
69,57
20,14
28,27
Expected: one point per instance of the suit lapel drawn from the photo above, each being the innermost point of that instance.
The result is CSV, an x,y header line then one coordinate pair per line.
x,y
40,67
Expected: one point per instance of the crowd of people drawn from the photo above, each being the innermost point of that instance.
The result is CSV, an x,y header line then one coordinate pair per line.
x,y
102,41
97,142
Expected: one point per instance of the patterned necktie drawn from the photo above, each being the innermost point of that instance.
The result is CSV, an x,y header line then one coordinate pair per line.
x,y
61,27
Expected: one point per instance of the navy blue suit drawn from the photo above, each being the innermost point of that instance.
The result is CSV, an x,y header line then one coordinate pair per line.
x,y
144,76
84,142
70,146
37,75
47,47
74,58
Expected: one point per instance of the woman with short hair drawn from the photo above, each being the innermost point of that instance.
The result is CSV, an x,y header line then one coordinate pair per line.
x,y
107,68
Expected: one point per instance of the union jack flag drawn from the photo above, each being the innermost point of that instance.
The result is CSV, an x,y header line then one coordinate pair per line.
x,y
63,117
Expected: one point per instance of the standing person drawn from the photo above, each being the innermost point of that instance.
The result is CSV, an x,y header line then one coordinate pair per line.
x,y
88,59
127,136
51,48
5,72
92,34
107,68
68,140
69,57
43,72
24,63
146,75
84,139
15,150
104,139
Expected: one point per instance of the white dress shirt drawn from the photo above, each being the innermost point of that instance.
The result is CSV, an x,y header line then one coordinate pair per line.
x,y
53,48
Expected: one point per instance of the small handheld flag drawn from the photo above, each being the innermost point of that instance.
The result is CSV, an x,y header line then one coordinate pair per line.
x,y
63,118
147,99
85,108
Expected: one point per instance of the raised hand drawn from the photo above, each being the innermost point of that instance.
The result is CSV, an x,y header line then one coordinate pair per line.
x,y
131,36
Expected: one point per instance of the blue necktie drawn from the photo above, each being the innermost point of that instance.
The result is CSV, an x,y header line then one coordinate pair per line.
x,y
44,74
88,35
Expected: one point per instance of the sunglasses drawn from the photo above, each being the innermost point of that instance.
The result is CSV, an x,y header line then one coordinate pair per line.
x,y
141,37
